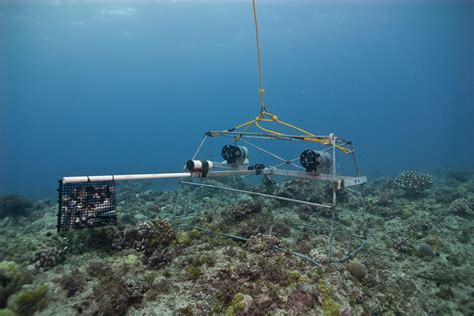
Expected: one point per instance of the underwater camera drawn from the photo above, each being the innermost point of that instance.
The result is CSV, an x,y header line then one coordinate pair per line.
x,y
316,161
200,166
235,155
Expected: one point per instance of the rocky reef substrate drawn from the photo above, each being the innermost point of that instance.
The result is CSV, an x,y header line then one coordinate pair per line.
x,y
180,259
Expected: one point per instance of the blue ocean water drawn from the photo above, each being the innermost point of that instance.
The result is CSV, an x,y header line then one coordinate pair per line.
x,y
130,87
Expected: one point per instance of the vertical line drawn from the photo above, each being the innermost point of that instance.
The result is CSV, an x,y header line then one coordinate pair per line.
x,y
334,199
60,199
362,189
178,195
260,91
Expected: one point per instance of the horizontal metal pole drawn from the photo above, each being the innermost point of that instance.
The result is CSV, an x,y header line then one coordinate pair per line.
x,y
272,136
224,165
257,193
217,133
213,233
348,181
151,176
231,173
126,177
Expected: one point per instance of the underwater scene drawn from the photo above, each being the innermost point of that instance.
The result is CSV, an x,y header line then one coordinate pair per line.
x,y
236,157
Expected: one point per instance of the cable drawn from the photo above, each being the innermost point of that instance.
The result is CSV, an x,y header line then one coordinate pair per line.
x,y
265,116
260,90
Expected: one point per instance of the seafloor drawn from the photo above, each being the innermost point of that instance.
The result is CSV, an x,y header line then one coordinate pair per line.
x,y
418,259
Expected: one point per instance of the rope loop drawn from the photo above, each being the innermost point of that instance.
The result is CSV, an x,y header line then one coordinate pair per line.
x,y
267,117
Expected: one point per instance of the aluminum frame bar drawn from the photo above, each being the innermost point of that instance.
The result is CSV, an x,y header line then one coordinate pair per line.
x,y
150,176
341,142
285,161
234,171
257,193
348,181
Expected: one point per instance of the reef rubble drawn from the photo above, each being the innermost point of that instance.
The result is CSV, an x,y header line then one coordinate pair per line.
x,y
179,260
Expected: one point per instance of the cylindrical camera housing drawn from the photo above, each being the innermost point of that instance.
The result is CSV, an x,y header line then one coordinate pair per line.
x,y
235,155
196,165
316,161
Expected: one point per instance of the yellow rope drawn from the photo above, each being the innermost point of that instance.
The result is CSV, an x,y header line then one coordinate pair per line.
x,y
275,119
296,128
268,130
265,116
242,125
261,91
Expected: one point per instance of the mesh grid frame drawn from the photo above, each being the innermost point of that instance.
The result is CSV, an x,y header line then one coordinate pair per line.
x,y
86,205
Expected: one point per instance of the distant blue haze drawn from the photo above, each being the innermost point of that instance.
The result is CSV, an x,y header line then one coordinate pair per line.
x,y
98,88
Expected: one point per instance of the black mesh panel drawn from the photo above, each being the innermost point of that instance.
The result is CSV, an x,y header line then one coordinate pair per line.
x,y
86,205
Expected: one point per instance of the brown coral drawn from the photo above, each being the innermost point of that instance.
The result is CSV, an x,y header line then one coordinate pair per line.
x,y
461,207
243,209
263,244
357,269
147,235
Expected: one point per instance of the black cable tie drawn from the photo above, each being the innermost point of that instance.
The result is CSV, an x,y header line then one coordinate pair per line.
x,y
257,167
205,169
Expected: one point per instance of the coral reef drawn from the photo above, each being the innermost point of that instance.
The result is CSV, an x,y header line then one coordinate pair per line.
x,y
458,175
404,246
241,304
226,254
263,244
357,269
15,205
158,258
319,255
461,207
29,301
447,194
413,183
146,236
425,251
153,238
72,283
114,293
12,278
47,258
330,307
243,209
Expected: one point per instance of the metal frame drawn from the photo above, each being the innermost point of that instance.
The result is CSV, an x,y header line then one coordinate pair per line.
x,y
338,182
